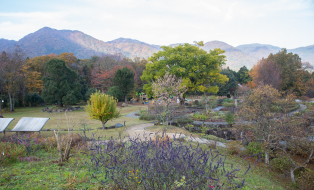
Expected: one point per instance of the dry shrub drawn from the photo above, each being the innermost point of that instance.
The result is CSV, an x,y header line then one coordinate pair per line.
x,y
51,142
161,141
305,98
306,179
211,144
77,140
233,147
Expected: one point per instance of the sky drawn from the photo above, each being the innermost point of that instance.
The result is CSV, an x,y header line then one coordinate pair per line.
x,y
284,23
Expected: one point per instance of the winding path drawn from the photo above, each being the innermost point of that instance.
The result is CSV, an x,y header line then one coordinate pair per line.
x,y
139,131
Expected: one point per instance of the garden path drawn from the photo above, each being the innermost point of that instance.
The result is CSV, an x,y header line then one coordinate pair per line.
x,y
139,131
302,107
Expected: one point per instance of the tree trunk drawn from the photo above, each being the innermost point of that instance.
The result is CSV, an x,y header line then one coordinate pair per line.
x,y
103,124
181,100
10,98
267,155
125,99
292,174
13,103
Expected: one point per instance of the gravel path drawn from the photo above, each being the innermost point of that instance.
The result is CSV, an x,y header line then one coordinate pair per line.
x,y
218,108
139,131
132,115
302,107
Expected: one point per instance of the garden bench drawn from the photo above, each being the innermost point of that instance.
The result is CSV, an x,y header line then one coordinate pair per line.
x,y
4,123
30,124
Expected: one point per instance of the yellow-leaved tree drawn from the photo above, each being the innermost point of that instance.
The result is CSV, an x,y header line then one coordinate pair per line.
x,y
102,107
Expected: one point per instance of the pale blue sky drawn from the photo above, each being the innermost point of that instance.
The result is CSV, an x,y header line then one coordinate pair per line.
x,y
284,23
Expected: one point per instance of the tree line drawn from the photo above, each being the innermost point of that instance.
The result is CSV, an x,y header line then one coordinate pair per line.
x,y
65,79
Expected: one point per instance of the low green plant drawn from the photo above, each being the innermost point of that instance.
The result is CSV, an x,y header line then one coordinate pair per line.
x,y
227,104
255,148
184,120
11,152
229,117
200,116
281,164
145,115
228,100
189,126
181,183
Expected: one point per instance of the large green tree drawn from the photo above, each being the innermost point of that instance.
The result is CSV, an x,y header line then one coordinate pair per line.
x,y
124,80
229,86
60,83
198,69
243,76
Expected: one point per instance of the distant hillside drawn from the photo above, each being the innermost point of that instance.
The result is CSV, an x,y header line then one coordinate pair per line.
x,y
47,40
306,53
263,50
235,57
258,51
6,44
135,48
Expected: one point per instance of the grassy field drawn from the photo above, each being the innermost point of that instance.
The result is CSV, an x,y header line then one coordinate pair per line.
x,y
46,174
74,120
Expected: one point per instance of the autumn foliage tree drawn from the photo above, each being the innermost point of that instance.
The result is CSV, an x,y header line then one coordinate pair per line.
x,y
166,87
280,70
296,138
103,79
265,72
102,107
11,65
257,109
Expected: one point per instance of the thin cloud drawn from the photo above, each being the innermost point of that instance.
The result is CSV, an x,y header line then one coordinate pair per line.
x,y
164,22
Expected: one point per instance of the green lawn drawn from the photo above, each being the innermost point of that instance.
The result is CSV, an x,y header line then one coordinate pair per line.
x,y
75,119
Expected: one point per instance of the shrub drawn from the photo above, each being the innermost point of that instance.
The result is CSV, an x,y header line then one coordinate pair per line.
x,y
152,164
200,116
281,164
306,179
229,118
254,148
220,101
227,104
233,147
184,120
305,98
228,100
189,126
145,115
31,142
11,152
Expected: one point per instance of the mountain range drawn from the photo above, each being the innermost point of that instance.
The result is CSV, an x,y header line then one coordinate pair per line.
x,y
47,40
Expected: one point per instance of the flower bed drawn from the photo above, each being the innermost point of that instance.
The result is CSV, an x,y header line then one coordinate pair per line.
x,y
160,164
